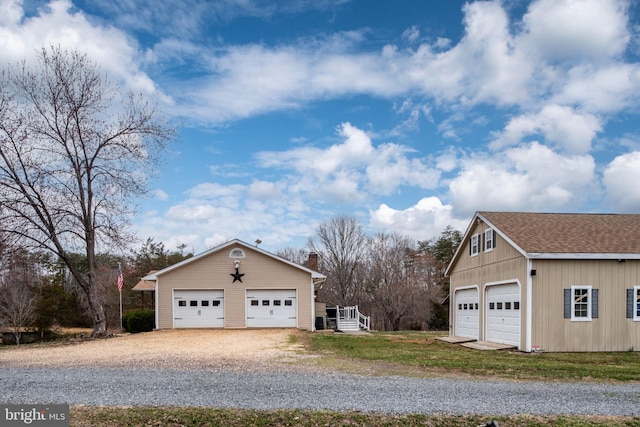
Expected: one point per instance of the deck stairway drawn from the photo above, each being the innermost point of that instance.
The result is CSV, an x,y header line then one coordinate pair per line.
x,y
349,319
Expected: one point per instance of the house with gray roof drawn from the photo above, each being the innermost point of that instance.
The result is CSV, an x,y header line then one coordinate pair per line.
x,y
548,281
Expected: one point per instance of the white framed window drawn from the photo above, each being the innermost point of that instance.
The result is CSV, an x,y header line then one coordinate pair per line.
x,y
636,303
475,245
581,303
489,240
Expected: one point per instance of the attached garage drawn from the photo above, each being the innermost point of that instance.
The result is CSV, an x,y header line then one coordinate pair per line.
x,y
503,313
466,313
271,308
198,309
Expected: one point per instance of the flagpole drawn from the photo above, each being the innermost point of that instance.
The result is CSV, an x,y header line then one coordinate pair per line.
x,y
120,283
120,311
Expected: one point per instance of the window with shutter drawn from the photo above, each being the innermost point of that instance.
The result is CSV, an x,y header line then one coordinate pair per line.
x,y
581,303
489,239
475,244
633,303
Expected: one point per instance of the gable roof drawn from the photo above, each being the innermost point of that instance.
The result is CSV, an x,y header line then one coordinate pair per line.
x,y
317,277
563,233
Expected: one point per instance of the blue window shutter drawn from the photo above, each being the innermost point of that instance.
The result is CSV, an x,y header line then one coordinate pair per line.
x,y
594,303
630,303
567,303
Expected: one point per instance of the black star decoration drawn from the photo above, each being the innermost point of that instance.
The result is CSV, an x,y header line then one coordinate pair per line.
x,y
237,276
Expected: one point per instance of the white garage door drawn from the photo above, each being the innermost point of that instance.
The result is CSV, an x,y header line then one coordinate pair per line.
x,y
272,308
198,309
466,323
503,314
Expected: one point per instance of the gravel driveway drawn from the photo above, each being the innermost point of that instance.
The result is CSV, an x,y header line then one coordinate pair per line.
x,y
262,370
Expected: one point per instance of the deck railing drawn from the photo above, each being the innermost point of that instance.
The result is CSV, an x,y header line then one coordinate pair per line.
x,y
350,318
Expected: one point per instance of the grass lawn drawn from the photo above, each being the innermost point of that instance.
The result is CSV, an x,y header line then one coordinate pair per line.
x,y
171,416
419,353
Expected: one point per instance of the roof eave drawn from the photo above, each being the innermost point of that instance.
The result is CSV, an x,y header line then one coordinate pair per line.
x,y
595,255
154,276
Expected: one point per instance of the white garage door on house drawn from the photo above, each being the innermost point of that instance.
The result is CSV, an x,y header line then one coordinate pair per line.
x,y
503,314
466,305
272,308
198,309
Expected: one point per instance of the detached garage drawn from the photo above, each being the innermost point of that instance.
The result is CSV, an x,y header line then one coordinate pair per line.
x,y
236,285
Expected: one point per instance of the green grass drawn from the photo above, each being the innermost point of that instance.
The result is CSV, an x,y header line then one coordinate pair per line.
x,y
82,416
419,353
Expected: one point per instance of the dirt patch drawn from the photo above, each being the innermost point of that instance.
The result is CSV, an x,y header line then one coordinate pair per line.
x,y
170,349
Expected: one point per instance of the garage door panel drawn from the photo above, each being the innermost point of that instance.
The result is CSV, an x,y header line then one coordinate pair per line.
x,y
466,323
198,309
272,308
503,314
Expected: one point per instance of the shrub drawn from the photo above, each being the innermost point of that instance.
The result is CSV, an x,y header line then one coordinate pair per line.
x,y
141,320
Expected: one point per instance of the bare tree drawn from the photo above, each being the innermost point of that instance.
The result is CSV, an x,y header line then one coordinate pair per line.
x,y
396,291
340,244
17,295
299,256
74,155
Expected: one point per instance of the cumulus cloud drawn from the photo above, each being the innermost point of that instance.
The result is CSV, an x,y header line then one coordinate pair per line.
x,y
561,126
558,30
620,179
58,24
348,170
522,179
423,221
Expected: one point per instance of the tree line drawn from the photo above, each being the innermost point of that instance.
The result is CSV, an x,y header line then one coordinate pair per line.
x,y
398,282
38,291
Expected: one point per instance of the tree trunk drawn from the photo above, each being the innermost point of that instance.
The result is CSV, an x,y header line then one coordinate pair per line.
x,y
98,315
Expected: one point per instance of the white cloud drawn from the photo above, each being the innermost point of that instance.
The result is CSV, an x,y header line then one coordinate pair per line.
x,y
607,89
522,178
412,34
345,171
557,30
560,126
58,24
424,221
621,179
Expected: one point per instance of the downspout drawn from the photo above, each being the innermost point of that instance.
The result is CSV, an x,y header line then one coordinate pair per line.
x,y
529,316
156,305
313,306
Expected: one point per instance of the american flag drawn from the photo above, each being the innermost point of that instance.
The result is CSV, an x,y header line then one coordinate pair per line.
x,y
120,278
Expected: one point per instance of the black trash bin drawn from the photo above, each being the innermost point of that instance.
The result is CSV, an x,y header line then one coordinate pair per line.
x,y
319,323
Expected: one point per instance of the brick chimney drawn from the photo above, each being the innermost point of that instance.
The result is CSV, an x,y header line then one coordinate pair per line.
x,y
313,261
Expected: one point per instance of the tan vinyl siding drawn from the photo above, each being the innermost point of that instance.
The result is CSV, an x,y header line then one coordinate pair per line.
x,y
502,264
611,331
214,272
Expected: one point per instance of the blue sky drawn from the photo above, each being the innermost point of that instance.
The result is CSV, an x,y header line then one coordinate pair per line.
x,y
408,115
